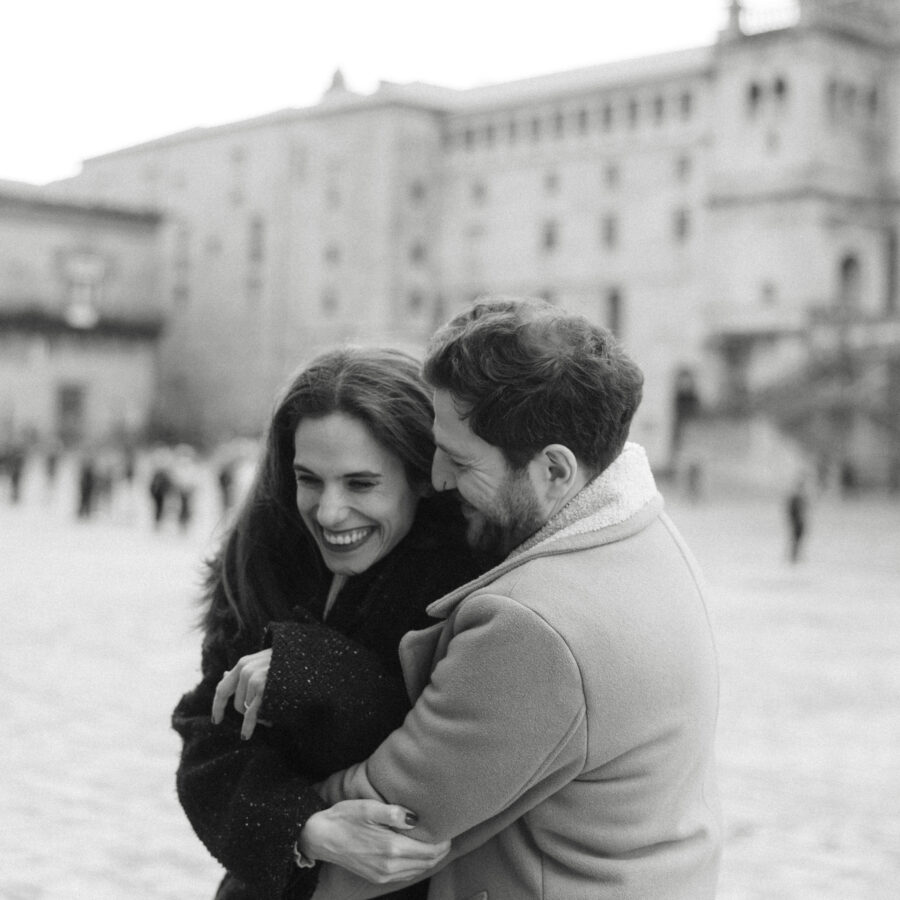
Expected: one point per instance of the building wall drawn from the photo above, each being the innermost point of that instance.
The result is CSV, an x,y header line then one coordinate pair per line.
x,y
676,199
115,379
66,272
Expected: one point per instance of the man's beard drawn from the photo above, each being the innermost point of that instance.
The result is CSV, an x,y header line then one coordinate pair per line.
x,y
513,517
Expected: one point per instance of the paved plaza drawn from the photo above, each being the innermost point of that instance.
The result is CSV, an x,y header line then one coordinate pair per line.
x,y
98,645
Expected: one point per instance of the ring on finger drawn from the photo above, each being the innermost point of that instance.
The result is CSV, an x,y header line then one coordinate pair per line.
x,y
247,705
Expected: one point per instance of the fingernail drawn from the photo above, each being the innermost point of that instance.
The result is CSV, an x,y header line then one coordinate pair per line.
x,y
245,737
411,818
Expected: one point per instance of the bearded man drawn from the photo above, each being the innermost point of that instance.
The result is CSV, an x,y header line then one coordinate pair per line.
x,y
565,703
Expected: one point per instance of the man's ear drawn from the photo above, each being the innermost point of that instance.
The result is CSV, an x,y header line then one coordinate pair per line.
x,y
559,470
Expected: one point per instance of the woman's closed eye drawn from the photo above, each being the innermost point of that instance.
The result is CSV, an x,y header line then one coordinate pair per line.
x,y
362,484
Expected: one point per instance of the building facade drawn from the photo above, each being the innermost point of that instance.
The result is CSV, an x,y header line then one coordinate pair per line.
x,y
80,318
711,206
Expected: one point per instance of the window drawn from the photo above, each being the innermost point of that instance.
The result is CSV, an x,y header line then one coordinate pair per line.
x,y
513,130
850,281
469,138
607,117
873,101
613,312
256,240
70,412
550,235
535,129
329,302
681,225
831,94
683,168
611,175
417,191
659,109
780,90
559,124
489,134
686,104
754,98
633,111
415,301
418,253
609,231
582,121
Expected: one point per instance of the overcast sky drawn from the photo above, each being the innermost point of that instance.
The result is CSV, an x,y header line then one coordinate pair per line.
x,y
83,77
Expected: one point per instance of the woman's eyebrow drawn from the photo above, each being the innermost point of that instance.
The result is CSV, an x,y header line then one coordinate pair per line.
x,y
364,473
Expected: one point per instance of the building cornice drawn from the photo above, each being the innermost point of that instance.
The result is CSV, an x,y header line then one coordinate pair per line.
x,y
35,320
16,197
441,100
794,195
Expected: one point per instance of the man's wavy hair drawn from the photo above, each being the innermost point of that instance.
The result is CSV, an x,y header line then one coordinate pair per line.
x,y
525,374
268,561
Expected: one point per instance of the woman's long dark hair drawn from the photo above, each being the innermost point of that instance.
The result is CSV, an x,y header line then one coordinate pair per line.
x,y
268,561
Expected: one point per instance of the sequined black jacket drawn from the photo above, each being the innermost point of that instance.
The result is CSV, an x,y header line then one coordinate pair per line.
x,y
333,693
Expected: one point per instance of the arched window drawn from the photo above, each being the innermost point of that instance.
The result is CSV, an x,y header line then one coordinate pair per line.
x,y
849,282
780,89
754,97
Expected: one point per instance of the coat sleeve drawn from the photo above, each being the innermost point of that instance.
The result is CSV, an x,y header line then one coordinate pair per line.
x,y
244,799
321,682
499,727
330,701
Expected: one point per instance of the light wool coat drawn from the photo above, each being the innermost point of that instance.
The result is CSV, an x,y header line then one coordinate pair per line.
x,y
565,708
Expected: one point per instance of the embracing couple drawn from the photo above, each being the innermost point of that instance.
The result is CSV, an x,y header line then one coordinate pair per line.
x,y
544,729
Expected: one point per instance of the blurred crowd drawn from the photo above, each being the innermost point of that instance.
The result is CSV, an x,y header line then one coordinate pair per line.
x,y
166,487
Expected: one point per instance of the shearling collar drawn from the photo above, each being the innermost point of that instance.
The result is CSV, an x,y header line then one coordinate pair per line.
x,y
614,496
620,501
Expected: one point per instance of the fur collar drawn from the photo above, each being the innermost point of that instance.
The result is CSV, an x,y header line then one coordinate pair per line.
x,y
615,495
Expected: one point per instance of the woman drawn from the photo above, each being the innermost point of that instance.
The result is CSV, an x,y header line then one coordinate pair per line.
x,y
335,554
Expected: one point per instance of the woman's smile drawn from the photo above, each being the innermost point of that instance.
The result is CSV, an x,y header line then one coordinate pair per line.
x,y
344,541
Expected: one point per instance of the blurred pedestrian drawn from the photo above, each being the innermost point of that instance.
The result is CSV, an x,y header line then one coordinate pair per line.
x,y
185,478
797,509
160,487
226,485
87,487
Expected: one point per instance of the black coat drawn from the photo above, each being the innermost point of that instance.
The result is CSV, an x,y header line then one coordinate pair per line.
x,y
333,693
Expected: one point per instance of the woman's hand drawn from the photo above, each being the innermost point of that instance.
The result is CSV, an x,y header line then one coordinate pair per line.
x,y
360,835
247,682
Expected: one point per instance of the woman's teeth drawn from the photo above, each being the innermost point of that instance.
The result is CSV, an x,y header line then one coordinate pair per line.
x,y
345,538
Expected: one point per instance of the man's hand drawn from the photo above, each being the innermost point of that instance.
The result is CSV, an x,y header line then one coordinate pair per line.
x,y
247,682
360,835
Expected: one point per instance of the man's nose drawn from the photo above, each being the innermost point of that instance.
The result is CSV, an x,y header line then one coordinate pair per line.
x,y
442,472
332,507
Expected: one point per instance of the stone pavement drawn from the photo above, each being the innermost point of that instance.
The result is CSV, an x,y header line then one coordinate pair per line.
x,y
97,646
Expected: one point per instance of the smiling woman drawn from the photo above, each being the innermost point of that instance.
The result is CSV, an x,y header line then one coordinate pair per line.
x,y
352,493
336,553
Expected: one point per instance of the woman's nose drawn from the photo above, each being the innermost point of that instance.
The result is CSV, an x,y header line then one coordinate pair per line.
x,y
442,472
332,508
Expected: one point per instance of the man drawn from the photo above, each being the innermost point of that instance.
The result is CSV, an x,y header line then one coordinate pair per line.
x,y
565,706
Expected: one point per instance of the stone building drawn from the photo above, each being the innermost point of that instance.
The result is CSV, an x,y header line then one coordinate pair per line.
x,y
80,317
710,205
